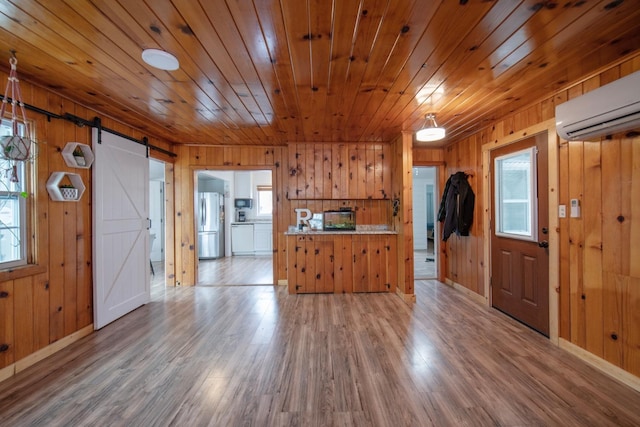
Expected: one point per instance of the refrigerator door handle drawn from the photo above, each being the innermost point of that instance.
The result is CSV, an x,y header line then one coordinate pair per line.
x,y
203,212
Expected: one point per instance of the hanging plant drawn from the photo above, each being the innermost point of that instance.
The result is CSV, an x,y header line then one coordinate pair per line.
x,y
78,156
15,146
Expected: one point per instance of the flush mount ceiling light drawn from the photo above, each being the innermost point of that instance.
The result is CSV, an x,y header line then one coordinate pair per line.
x,y
160,59
430,131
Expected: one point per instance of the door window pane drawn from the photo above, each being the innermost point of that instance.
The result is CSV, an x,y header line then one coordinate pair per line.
x,y
516,195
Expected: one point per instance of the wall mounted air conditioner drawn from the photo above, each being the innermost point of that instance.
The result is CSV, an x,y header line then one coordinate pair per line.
x,y
612,108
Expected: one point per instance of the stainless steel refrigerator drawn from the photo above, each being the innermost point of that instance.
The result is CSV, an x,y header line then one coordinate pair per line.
x,y
210,225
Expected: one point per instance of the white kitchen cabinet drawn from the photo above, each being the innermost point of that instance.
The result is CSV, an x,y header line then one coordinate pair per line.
x,y
263,238
243,185
242,239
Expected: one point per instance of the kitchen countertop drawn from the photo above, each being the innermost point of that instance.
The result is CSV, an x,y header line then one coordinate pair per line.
x,y
360,229
251,222
320,232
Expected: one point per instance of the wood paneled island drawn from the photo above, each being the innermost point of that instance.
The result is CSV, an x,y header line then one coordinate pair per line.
x,y
342,261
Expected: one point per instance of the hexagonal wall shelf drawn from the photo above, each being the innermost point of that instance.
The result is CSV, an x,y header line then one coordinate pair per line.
x,y
60,194
72,161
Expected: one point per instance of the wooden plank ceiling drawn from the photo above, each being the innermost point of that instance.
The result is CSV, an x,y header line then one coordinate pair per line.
x,y
272,72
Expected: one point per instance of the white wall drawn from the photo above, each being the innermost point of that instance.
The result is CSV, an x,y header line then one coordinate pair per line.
x,y
156,208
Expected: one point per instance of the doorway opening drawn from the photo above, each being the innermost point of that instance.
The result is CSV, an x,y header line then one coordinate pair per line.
x,y
425,224
235,237
157,215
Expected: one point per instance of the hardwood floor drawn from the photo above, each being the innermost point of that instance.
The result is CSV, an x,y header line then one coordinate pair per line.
x,y
258,270
424,266
236,270
227,271
254,355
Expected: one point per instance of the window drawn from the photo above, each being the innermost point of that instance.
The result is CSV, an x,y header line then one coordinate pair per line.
x,y
516,195
13,207
265,200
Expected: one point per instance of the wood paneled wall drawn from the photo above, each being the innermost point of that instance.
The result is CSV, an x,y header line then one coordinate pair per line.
x,y
425,156
46,303
599,273
194,158
465,255
316,194
339,171
402,189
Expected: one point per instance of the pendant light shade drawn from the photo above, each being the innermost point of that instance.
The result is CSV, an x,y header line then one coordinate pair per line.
x,y
430,131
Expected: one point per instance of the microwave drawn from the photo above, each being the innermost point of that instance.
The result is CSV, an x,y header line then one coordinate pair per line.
x,y
243,203
342,220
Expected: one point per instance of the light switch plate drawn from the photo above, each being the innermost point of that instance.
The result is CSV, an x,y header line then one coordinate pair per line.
x,y
562,211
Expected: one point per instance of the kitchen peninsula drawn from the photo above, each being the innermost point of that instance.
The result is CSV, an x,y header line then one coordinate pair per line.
x,y
361,260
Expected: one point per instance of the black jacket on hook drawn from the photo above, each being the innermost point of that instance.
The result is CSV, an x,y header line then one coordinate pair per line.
x,y
456,207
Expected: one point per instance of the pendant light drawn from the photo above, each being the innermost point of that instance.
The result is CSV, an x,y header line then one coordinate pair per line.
x,y
430,131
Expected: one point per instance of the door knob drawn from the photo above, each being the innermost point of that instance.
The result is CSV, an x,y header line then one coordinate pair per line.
x,y
543,244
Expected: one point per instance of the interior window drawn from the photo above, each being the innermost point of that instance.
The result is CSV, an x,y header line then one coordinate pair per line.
x,y
265,200
13,207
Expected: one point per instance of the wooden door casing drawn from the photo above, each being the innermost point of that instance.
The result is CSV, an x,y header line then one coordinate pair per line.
x,y
520,268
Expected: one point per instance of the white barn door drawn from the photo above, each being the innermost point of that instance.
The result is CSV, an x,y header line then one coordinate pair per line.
x,y
121,237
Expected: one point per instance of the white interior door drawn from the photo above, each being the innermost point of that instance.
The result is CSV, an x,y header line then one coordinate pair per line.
x,y
121,236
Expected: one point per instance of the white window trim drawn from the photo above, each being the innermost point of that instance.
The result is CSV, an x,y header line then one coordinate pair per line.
x,y
25,222
260,188
533,191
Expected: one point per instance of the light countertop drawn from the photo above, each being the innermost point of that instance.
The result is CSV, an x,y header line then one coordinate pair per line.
x,y
313,232
251,222
360,229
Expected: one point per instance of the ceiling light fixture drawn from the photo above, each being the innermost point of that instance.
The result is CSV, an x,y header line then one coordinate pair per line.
x,y
160,59
430,131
